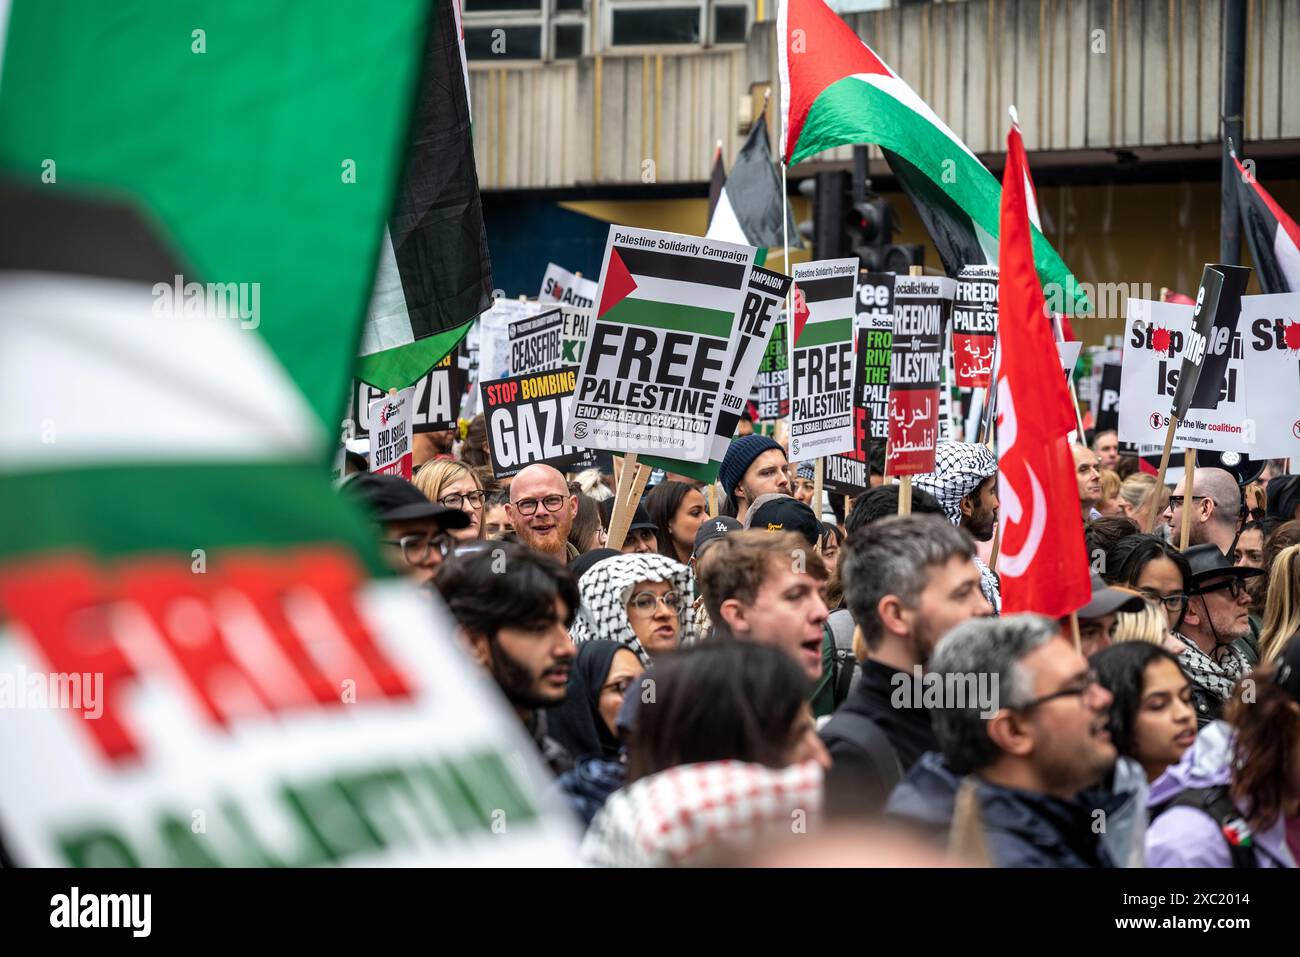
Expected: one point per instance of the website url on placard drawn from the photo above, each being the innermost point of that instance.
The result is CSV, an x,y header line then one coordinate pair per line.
x,y
1203,924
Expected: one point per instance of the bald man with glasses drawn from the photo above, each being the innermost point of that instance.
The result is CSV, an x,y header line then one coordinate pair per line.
x,y
542,509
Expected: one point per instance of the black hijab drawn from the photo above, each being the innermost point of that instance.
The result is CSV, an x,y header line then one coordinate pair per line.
x,y
577,723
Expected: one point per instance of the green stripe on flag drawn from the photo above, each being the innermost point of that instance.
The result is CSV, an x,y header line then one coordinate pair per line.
x,y
673,316
168,508
855,111
700,471
399,367
821,333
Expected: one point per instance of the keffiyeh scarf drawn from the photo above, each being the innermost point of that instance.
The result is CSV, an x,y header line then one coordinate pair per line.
x,y
608,585
1217,677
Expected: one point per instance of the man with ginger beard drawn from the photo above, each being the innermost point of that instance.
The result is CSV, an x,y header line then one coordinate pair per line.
x,y
514,608
542,509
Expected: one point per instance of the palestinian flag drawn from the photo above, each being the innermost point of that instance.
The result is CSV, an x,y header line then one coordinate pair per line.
x,y
434,276
716,179
201,627
751,206
671,290
824,308
835,91
1273,236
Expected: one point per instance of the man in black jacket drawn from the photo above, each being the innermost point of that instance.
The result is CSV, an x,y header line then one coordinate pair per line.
x,y
1033,760
907,582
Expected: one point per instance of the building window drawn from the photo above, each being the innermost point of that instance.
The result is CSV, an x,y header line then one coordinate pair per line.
x,y
660,25
729,24
492,6
568,41
569,4
503,43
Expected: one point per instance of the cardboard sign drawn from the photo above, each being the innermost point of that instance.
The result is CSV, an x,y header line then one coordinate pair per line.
x,y
525,421
770,396
437,400
535,342
390,434
764,296
1209,340
657,364
920,306
494,336
1258,406
277,710
577,328
871,379
1107,418
821,381
566,288
974,325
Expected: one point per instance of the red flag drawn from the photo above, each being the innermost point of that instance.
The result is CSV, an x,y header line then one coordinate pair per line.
x,y
1043,562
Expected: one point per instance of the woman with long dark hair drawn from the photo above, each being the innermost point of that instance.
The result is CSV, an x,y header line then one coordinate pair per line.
x,y
677,508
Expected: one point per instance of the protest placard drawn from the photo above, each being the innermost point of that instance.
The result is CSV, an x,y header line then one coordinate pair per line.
x,y
435,405
525,421
871,373
1107,417
821,380
848,473
974,325
920,304
764,296
577,327
1257,406
390,434
656,364
566,288
351,730
535,342
494,335
770,396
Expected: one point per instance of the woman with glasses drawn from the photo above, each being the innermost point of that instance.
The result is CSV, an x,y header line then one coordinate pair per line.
x,y
640,600
456,486
1152,566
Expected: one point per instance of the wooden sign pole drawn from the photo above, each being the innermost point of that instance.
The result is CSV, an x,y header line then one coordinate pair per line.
x,y
1189,487
1160,478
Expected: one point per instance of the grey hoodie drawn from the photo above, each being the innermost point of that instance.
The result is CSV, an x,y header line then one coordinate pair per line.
x,y
1188,837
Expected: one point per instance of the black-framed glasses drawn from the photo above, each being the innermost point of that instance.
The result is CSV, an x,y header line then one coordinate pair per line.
x,y
1176,501
527,506
457,499
1237,587
1079,687
646,602
417,548
1175,603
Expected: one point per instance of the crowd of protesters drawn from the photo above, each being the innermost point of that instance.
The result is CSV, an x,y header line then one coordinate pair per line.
x,y
751,662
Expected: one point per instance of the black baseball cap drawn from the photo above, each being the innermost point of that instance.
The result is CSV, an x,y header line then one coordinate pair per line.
x,y
712,529
640,517
391,498
774,513
1106,600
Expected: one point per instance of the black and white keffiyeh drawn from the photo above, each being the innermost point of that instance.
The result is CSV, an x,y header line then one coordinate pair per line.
x,y
608,585
1217,677
959,467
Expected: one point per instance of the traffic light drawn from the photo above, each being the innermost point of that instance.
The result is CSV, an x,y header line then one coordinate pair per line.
x,y
853,221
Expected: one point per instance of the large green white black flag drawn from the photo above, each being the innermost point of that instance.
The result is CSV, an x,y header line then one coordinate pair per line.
x,y
204,659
